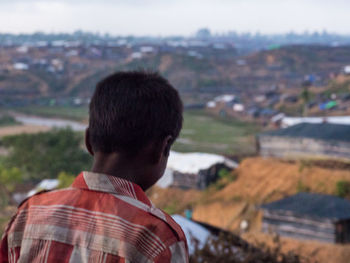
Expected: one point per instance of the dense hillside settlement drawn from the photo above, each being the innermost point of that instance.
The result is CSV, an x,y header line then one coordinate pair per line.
x,y
294,80
263,155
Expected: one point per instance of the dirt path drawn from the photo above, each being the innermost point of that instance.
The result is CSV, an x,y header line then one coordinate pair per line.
x,y
18,129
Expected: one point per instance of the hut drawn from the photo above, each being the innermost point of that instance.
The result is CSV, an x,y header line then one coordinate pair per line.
x,y
306,140
194,170
309,216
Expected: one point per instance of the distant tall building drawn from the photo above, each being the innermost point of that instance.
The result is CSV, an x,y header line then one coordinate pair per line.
x,y
203,33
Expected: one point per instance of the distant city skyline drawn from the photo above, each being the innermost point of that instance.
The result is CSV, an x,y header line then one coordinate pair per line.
x,y
166,18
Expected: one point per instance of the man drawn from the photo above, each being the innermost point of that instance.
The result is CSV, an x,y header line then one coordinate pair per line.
x,y
105,215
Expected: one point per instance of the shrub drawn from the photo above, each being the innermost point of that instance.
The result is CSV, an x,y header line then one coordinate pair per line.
x,y
45,155
301,187
223,173
225,177
342,189
65,179
7,120
9,178
231,249
172,208
304,164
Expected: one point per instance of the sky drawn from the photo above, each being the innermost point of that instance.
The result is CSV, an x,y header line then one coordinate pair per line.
x,y
174,17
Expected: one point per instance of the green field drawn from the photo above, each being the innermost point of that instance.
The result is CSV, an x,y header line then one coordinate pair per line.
x,y
205,133
201,132
7,120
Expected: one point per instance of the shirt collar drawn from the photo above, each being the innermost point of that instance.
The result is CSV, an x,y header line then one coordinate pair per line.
x,y
110,184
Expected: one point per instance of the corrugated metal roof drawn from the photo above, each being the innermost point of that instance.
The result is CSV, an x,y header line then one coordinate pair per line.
x,y
313,205
321,131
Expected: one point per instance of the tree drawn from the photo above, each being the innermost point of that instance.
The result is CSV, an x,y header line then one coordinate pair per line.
x,y
65,179
342,189
9,178
45,155
305,96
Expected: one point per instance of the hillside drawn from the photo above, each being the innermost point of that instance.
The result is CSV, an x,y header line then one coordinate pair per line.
x,y
197,77
258,181
255,182
303,59
212,74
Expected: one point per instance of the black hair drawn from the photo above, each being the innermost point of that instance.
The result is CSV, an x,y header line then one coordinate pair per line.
x,y
129,110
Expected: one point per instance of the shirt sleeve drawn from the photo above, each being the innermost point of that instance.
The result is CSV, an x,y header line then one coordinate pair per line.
x,y
4,243
176,253
4,249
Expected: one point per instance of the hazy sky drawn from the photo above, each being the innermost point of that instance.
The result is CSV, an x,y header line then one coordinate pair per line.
x,y
170,17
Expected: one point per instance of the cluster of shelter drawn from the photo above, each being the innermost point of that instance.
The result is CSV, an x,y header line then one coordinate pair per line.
x,y
308,215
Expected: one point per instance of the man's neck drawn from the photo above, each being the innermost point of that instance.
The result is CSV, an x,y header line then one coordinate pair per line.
x,y
116,165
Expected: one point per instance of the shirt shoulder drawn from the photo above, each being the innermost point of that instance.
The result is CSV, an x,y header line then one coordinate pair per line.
x,y
158,220
114,218
152,217
176,248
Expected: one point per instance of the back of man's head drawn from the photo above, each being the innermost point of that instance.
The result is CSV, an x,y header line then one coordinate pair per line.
x,y
130,110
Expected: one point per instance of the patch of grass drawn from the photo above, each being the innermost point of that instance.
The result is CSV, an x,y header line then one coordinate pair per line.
x,y
225,178
171,208
206,133
237,198
304,164
337,88
6,120
342,189
301,187
292,110
223,173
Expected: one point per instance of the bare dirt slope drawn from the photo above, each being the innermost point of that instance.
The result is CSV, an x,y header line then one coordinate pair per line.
x,y
264,180
260,181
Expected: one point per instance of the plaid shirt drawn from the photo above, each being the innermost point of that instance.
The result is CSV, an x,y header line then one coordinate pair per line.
x,y
99,218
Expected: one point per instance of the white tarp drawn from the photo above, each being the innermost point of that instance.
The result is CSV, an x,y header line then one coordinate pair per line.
x,y
191,163
290,121
194,162
225,98
47,184
192,231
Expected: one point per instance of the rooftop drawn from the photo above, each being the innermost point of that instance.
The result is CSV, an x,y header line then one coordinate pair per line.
x,y
194,162
320,131
313,205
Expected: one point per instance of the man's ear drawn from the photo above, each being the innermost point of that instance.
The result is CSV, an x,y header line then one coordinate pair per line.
x,y
87,142
161,149
166,145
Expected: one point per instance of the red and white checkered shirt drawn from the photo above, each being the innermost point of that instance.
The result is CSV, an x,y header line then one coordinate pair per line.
x,y
100,218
